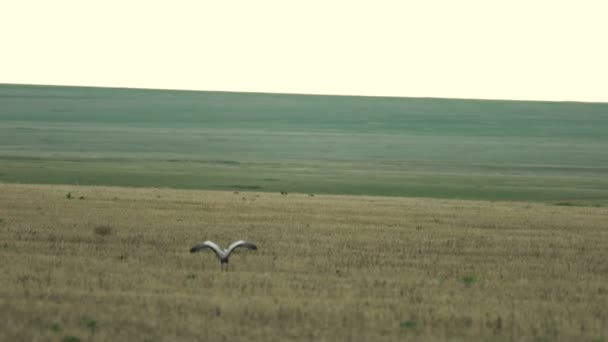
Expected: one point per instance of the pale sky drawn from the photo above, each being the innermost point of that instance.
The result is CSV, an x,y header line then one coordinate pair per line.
x,y
494,49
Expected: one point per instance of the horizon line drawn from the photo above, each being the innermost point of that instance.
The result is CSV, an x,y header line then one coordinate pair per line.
x,y
299,93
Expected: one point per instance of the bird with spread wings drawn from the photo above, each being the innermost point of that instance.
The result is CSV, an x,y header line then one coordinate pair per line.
x,y
222,254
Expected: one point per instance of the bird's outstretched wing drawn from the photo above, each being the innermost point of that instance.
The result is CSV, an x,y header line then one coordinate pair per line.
x,y
240,243
210,245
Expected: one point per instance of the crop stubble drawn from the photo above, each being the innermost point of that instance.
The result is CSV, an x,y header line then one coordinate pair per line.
x,y
327,268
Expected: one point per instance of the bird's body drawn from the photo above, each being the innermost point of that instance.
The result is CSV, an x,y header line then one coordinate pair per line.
x,y
222,254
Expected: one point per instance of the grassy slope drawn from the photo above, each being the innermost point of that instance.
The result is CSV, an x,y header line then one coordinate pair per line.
x,y
328,268
303,143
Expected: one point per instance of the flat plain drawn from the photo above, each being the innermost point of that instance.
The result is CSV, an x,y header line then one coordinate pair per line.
x,y
108,263
462,149
377,219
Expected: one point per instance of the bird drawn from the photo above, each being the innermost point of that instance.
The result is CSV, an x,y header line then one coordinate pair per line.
x,y
222,254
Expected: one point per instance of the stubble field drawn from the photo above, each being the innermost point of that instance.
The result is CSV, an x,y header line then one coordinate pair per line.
x,y
113,264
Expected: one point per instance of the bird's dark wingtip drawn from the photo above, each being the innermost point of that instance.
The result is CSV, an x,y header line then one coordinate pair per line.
x,y
193,250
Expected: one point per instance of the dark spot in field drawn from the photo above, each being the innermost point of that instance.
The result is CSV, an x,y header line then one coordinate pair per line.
x,y
573,204
497,325
226,162
246,187
89,323
283,192
68,195
409,324
468,279
270,179
56,327
103,230
81,197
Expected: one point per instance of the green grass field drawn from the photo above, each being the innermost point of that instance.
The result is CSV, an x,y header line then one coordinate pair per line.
x,y
471,149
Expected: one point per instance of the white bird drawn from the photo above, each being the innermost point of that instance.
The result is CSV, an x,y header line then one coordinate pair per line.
x,y
222,254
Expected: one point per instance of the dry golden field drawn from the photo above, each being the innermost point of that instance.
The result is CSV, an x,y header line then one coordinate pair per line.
x,y
113,264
